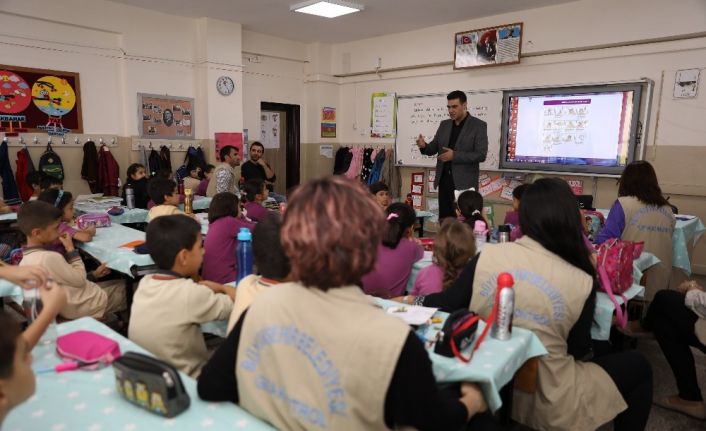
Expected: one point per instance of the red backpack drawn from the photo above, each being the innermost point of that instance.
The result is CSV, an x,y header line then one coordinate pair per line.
x,y
615,258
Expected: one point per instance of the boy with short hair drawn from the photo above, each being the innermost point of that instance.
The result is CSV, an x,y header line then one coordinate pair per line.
x,y
50,182
163,192
39,221
255,193
271,262
168,306
17,381
381,193
34,180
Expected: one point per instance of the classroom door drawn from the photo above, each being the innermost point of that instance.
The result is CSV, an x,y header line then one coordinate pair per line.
x,y
279,133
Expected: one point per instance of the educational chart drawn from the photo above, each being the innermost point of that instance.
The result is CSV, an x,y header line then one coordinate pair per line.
x,y
382,115
490,46
423,114
165,117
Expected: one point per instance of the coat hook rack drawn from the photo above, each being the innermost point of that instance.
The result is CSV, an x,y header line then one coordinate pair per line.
x,y
49,140
112,141
77,141
35,140
63,140
22,140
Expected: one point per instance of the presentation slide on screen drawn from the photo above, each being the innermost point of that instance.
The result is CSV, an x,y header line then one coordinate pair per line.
x,y
592,127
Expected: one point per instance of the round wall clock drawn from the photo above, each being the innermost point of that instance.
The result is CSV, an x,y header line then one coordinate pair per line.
x,y
225,85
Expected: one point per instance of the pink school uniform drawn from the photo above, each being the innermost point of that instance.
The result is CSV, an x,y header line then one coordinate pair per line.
x,y
219,262
392,269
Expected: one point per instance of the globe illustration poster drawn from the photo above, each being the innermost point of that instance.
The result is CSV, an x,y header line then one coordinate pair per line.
x,y
15,94
53,96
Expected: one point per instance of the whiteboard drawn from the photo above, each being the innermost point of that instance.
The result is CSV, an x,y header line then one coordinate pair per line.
x,y
423,113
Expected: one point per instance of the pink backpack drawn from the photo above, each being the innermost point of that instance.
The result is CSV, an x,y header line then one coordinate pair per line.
x,y
615,258
87,348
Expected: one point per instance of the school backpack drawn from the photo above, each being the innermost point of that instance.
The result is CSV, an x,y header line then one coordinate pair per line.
x,y
50,163
595,221
615,269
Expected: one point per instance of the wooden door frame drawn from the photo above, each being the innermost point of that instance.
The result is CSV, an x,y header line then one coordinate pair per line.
x,y
292,139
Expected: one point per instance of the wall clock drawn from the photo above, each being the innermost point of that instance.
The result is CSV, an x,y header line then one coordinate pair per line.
x,y
225,85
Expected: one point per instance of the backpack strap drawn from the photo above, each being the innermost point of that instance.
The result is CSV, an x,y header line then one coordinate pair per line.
x,y
621,315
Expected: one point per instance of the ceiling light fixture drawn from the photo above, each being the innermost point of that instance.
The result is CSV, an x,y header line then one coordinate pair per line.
x,y
326,8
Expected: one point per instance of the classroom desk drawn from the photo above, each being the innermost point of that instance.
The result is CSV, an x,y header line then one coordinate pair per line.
x,y
8,218
421,215
135,215
12,291
105,247
686,232
86,400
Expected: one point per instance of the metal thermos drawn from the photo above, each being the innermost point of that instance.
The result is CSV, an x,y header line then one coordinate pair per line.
x,y
505,297
129,196
504,233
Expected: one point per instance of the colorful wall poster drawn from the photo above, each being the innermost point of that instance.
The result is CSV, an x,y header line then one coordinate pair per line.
x,y
39,100
490,46
328,122
229,138
165,117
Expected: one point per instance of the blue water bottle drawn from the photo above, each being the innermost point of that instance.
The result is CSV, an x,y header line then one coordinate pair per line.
x,y
244,253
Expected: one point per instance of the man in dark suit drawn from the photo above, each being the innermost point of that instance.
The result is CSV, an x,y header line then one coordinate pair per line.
x,y
461,143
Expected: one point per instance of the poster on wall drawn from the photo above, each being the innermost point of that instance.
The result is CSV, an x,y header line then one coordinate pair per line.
x,y
328,122
229,138
39,100
270,129
490,46
383,118
165,117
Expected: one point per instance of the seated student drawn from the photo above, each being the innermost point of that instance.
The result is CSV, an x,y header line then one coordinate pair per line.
x,y
641,213
203,185
137,178
65,202
396,254
34,180
224,223
17,382
356,367
469,208
453,246
168,306
163,192
271,263
255,194
381,193
555,286
193,180
678,320
50,182
513,217
39,221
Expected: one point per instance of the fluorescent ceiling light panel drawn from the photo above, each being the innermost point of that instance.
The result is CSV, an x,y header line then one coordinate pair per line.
x,y
326,8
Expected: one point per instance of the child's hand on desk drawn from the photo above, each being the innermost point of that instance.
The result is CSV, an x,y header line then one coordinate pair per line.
x,y
67,241
53,297
27,277
101,271
219,288
91,230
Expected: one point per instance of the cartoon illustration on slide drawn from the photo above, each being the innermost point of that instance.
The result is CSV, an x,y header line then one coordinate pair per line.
x,y
54,97
15,97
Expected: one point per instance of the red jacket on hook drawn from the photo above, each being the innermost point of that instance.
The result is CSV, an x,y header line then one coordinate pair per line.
x,y
108,172
24,166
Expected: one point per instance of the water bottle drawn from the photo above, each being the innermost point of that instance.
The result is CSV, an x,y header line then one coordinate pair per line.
x,y
480,232
244,253
504,233
505,297
130,196
32,305
180,187
189,201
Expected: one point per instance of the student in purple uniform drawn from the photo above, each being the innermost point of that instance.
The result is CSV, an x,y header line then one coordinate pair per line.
x,y
255,194
513,217
469,208
203,185
396,254
219,263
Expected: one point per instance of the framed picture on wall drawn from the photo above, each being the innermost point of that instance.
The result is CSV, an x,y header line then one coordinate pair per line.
x,y
491,46
165,117
39,100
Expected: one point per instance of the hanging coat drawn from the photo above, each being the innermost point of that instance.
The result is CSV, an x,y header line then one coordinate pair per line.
x,y
166,157
155,163
9,187
24,167
143,159
108,173
89,167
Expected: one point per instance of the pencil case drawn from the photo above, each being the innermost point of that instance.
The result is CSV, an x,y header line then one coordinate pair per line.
x,y
87,220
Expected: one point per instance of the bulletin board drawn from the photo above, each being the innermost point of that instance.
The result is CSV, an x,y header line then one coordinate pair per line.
x,y
39,100
165,117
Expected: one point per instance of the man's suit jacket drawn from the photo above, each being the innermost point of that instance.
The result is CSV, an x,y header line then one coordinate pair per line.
x,y
471,149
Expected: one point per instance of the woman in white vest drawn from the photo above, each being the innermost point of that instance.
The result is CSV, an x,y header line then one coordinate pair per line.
x,y
555,289
678,320
641,213
319,354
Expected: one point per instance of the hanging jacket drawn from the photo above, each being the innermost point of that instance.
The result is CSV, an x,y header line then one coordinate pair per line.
x,y
375,173
155,162
143,159
89,167
108,173
24,166
9,187
166,157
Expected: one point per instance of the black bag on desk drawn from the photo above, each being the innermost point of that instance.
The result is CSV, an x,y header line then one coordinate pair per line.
x,y
458,332
150,383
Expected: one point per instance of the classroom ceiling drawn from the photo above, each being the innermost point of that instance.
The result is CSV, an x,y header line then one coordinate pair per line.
x,y
380,17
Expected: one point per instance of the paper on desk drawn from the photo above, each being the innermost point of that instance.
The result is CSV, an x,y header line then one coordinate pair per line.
x,y
87,197
412,314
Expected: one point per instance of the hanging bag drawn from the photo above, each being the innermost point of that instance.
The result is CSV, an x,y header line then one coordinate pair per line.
x,y
50,163
615,269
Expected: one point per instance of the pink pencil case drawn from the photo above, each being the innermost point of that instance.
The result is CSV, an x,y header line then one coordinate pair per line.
x,y
92,219
88,348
